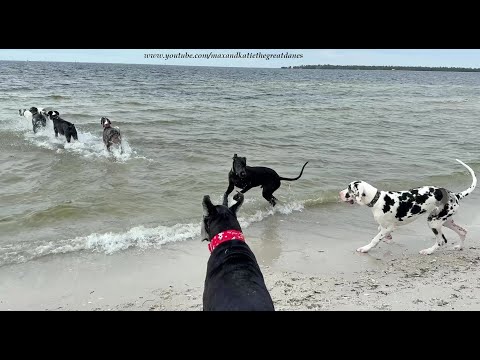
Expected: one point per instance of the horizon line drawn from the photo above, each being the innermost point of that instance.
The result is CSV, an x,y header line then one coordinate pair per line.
x,y
249,67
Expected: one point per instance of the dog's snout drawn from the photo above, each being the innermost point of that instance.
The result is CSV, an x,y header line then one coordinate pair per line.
x,y
243,173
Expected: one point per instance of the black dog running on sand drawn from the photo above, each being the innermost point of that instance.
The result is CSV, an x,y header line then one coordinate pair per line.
x,y
234,281
62,127
247,177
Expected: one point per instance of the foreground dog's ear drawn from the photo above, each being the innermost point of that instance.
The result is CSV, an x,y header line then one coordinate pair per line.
x,y
239,203
208,207
234,156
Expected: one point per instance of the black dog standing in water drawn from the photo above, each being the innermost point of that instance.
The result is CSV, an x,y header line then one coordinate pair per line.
x,y
234,281
247,177
38,119
63,127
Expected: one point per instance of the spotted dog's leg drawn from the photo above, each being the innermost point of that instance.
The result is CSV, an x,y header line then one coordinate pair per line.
x,y
383,233
436,226
459,230
387,238
435,222
437,219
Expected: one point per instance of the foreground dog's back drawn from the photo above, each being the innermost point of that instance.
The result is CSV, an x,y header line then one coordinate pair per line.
x,y
234,281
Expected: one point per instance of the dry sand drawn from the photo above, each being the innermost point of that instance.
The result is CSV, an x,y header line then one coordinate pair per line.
x,y
450,281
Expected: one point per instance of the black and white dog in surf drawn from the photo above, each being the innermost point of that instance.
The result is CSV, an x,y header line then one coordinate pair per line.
x,y
37,116
111,135
62,127
234,281
394,208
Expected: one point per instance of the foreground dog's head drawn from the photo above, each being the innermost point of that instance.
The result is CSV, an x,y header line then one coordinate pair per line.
x,y
106,123
218,218
357,192
33,110
239,166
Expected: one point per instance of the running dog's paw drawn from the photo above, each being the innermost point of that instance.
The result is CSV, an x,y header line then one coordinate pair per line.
x,y
426,252
363,249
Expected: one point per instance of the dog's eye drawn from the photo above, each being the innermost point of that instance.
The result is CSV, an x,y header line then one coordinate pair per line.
x,y
363,194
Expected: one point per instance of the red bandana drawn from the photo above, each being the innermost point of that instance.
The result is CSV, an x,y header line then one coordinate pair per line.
x,y
225,236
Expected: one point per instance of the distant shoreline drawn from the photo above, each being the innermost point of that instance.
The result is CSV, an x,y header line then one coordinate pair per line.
x,y
367,67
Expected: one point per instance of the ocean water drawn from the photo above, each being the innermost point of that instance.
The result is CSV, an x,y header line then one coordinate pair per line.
x,y
181,127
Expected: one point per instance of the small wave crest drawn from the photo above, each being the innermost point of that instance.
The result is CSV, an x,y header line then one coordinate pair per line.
x,y
139,236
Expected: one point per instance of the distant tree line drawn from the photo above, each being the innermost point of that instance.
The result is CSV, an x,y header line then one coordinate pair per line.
x,y
365,67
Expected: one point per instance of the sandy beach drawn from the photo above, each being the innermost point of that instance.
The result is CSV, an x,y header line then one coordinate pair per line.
x,y
308,260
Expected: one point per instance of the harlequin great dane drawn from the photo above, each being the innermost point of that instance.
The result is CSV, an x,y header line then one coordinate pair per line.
x,y
394,208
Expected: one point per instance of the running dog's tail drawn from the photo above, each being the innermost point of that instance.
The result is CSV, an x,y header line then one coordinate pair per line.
x,y
298,177
462,194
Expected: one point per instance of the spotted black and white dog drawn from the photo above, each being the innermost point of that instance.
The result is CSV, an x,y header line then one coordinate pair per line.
x,y
394,208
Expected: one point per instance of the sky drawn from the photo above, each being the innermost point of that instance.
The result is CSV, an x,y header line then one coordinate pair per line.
x,y
255,57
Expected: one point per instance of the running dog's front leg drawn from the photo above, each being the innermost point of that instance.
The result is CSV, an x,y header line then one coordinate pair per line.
x,y
229,190
243,191
383,233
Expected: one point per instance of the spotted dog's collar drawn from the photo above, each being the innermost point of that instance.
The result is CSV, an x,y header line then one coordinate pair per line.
x,y
225,236
374,200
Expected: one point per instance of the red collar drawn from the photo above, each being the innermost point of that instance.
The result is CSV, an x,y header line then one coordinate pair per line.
x,y
225,236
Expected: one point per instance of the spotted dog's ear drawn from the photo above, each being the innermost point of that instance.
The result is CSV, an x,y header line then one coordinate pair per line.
x,y
359,192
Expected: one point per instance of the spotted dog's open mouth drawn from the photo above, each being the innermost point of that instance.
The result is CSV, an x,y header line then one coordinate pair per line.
x,y
351,201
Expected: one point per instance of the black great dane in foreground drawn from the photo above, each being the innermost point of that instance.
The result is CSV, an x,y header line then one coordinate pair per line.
x,y
233,281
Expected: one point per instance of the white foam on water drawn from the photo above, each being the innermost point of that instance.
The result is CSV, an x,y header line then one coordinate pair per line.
x,y
88,145
138,236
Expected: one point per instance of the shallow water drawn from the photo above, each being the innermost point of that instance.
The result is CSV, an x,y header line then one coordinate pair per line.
x,y
181,127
